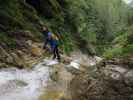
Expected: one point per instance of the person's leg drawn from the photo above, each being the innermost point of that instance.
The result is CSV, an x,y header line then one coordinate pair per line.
x,y
54,52
57,53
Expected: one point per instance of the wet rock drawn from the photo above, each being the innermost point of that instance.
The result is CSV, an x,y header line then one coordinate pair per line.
x,y
21,43
3,45
115,72
75,64
128,78
36,51
111,82
66,59
124,61
57,89
3,65
29,42
20,53
9,59
20,34
26,54
54,73
17,60
3,52
5,57
98,59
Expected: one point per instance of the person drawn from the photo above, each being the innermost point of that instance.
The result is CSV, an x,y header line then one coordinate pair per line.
x,y
52,40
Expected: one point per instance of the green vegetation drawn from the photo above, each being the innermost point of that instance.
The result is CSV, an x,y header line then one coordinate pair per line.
x,y
8,40
94,26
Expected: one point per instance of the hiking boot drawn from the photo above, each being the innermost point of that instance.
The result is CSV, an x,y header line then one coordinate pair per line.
x,y
59,60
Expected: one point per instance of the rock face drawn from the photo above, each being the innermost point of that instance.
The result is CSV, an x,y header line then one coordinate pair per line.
x,y
104,82
36,51
25,54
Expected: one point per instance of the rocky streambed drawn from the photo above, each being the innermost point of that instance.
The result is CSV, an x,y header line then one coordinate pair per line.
x,y
78,77
23,84
108,80
48,80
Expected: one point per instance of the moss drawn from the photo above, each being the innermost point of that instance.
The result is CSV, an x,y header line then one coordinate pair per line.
x,y
128,50
8,40
16,15
119,52
115,52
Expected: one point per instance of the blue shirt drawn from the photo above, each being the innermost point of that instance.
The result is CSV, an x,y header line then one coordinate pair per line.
x,y
53,43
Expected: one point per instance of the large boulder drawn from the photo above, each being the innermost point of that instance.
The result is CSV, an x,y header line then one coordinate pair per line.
x,y
128,78
36,51
3,53
108,82
17,60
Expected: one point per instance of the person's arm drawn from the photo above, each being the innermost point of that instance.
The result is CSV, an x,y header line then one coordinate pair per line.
x,y
45,43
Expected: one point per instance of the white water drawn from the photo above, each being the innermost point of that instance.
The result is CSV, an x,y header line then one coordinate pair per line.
x,y
18,84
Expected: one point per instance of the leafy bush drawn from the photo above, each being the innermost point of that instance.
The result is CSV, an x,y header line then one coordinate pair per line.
x,y
119,52
115,52
128,50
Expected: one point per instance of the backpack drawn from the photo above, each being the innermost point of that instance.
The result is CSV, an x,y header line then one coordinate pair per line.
x,y
54,36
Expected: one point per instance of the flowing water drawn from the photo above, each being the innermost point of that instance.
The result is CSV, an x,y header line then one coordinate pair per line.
x,y
37,83
24,84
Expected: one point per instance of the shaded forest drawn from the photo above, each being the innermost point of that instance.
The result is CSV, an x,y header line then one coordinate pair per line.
x,y
101,26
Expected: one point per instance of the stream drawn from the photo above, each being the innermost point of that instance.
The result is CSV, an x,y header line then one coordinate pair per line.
x,y
36,83
24,84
